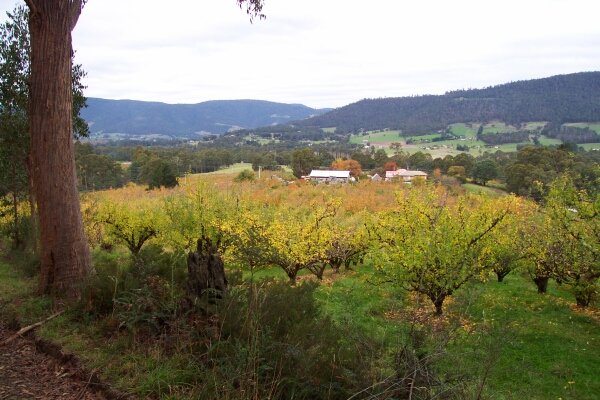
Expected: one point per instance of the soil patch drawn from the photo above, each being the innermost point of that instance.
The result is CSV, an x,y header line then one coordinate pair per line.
x,y
26,373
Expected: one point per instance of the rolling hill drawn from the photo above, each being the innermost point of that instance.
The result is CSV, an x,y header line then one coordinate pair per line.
x,y
558,99
138,118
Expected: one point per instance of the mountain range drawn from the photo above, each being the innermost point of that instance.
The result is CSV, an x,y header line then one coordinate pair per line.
x,y
142,118
558,99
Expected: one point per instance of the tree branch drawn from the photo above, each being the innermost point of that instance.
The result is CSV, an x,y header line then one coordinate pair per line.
x,y
26,329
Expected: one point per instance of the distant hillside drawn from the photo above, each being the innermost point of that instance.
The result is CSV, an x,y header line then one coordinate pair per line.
x,y
131,117
558,99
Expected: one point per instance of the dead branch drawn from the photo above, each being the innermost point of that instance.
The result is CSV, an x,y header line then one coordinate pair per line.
x,y
26,329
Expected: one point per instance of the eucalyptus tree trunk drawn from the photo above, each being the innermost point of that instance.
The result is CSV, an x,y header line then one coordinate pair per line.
x,y
65,256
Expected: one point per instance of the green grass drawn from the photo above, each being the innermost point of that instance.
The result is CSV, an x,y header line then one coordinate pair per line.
x,y
377,137
17,297
466,130
352,300
498,127
232,169
534,126
12,285
423,138
541,348
329,130
492,192
546,141
537,346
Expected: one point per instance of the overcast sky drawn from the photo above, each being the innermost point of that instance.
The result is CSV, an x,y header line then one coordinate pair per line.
x,y
326,53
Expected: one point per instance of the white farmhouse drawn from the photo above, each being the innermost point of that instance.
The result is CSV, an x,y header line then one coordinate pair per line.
x,y
329,176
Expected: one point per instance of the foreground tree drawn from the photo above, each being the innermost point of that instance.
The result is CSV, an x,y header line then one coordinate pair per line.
x,y
65,256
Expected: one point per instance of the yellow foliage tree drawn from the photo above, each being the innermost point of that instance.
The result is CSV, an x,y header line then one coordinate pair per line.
x,y
433,243
300,238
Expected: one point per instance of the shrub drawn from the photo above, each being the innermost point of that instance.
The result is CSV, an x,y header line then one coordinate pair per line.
x,y
275,343
245,176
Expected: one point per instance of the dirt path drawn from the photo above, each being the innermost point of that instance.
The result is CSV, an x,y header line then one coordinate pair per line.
x,y
26,373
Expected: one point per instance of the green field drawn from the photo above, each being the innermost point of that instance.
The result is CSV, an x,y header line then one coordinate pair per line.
x,y
232,169
467,133
377,137
465,130
546,141
498,127
490,191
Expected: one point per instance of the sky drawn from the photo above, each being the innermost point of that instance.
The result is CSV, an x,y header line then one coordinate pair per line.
x,y
326,53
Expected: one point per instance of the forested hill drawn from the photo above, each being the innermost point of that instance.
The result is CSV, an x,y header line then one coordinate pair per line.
x,y
560,99
144,118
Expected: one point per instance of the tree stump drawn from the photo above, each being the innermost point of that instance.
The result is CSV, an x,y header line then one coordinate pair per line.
x,y
206,272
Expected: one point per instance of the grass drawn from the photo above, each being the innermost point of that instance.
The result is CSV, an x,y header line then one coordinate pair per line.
x,y
377,137
467,133
232,169
465,130
538,346
546,141
492,192
542,347
498,127
534,126
17,298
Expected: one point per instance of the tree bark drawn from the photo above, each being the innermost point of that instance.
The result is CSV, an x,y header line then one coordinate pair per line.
x,y
206,271
501,275
65,256
15,203
542,283
438,302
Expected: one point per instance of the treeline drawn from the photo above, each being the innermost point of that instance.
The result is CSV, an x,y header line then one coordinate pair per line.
x,y
527,172
571,134
563,98
108,167
504,137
